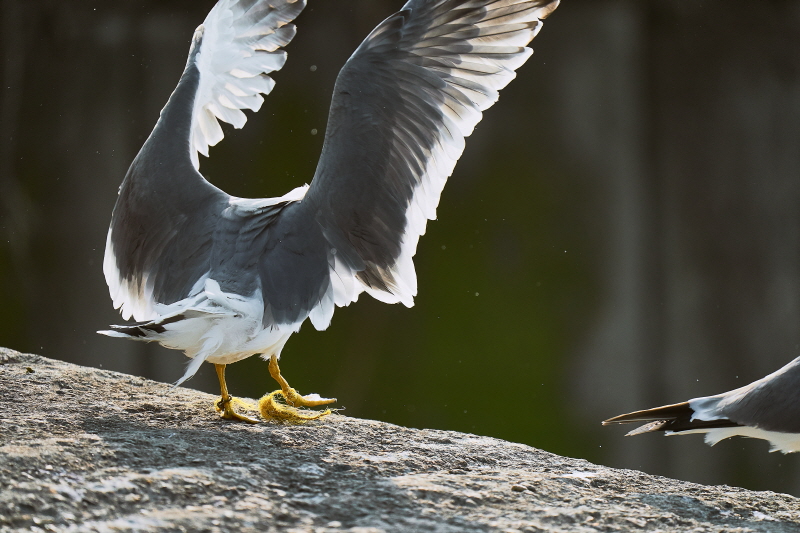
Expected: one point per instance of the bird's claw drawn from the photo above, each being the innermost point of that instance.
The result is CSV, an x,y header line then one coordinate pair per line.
x,y
226,412
295,399
287,412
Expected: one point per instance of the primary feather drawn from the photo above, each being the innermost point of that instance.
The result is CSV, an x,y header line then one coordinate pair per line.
x,y
241,45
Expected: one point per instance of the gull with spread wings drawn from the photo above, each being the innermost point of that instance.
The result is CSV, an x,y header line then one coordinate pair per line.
x,y
223,278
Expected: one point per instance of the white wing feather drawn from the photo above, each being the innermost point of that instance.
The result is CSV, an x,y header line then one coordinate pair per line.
x,y
241,44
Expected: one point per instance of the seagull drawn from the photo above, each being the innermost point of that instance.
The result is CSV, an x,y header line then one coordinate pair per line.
x,y
224,278
766,409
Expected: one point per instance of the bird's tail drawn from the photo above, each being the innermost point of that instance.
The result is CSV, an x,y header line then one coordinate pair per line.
x,y
142,331
153,331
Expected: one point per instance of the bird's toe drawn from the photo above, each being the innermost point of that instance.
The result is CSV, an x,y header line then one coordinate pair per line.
x,y
271,409
224,406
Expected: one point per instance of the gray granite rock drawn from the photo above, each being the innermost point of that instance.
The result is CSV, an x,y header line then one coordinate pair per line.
x,y
83,449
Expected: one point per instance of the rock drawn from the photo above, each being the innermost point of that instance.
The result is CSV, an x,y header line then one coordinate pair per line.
x,y
83,449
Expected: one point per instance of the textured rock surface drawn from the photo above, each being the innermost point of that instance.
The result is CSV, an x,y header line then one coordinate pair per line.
x,y
83,449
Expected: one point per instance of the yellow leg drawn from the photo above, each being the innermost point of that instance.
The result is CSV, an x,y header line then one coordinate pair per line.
x,y
270,409
223,405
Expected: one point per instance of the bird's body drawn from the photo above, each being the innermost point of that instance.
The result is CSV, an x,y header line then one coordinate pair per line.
x,y
223,278
766,409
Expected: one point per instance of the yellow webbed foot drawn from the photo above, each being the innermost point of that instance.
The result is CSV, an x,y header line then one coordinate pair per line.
x,y
273,410
288,412
224,407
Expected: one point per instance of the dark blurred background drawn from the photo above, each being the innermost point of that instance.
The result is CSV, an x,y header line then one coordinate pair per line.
x,y
623,230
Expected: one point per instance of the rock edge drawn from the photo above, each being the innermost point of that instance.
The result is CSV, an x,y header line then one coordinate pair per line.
x,y
83,449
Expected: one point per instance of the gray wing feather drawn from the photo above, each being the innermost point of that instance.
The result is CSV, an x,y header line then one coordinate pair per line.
x,y
167,230
771,403
162,227
401,108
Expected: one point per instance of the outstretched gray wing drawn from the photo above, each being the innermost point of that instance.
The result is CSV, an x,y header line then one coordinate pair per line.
x,y
166,222
402,106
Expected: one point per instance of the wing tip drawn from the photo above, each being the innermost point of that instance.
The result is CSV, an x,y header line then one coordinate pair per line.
x,y
266,33
548,9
